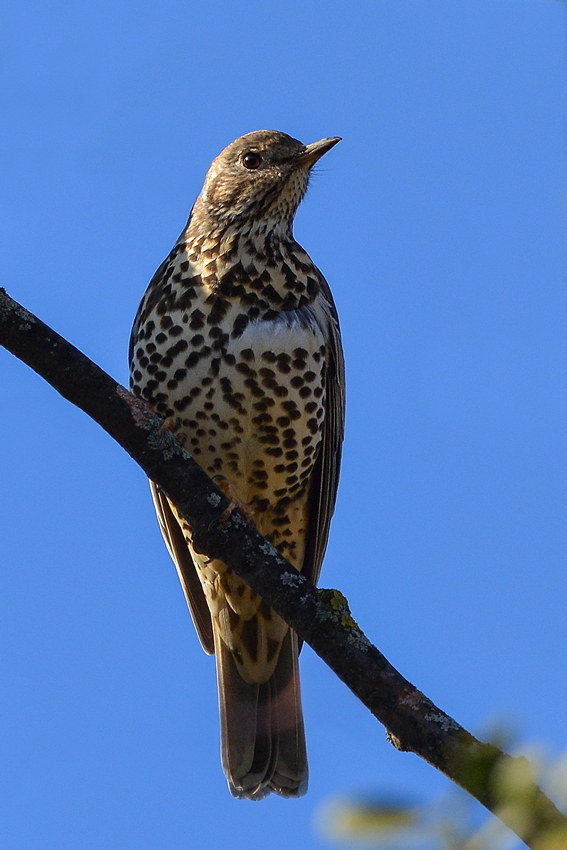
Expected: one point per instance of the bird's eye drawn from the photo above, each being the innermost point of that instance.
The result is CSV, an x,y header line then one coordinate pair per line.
x,y
251,160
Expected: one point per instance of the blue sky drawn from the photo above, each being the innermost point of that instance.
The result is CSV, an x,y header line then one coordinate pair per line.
x,y
439,223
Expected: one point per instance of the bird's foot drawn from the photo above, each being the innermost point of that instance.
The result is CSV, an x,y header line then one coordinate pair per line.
x,y
172,425
224,485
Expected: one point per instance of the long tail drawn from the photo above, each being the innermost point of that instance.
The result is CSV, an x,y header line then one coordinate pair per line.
x,y
262,734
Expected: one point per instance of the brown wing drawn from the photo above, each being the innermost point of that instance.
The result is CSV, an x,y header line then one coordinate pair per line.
x,y
179,551
325,478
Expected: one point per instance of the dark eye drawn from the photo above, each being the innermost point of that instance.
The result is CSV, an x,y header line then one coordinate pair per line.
x,y
251,160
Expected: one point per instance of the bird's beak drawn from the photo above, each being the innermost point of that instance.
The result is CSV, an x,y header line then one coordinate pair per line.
x,y
315,151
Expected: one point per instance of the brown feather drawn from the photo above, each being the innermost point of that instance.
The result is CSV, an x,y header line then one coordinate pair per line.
x,y
181,556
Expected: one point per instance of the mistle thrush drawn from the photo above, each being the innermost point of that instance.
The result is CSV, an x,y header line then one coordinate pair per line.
x,y
237,342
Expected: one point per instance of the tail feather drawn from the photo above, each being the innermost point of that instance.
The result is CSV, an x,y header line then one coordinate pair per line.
x,y
262,734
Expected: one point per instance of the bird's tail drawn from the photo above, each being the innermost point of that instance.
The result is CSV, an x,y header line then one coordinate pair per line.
x,y
262,734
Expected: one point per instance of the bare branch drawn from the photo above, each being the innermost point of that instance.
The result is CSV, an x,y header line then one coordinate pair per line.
x,y
321,617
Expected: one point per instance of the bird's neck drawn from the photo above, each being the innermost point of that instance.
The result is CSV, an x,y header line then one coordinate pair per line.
x,y
209,233
251,257
217,250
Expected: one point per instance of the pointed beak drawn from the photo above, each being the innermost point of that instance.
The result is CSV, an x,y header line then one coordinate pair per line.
x,y
315,151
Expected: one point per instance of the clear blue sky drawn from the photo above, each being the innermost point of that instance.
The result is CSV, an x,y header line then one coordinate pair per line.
x,y
439,223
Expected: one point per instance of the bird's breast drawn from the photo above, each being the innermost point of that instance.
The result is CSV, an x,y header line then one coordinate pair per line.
x,y
247,397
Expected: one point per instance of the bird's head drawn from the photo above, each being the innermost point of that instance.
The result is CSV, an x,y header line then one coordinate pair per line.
x,y
258,179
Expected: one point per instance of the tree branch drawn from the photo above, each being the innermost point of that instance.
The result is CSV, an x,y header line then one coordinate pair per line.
x,y
321,617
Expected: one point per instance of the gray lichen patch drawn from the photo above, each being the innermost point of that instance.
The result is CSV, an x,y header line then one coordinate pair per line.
x,y
10,309
358,639
160,438
446,723
292,579
141,413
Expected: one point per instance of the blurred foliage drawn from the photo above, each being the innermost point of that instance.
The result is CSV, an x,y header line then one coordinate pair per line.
x,y
453,822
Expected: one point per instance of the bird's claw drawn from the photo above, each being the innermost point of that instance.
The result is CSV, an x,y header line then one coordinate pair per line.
x,y
224,485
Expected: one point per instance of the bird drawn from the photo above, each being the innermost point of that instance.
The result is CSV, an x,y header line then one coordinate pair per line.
x,y
237,345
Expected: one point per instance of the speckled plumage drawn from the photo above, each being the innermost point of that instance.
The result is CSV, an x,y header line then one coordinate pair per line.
x,y
237,342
